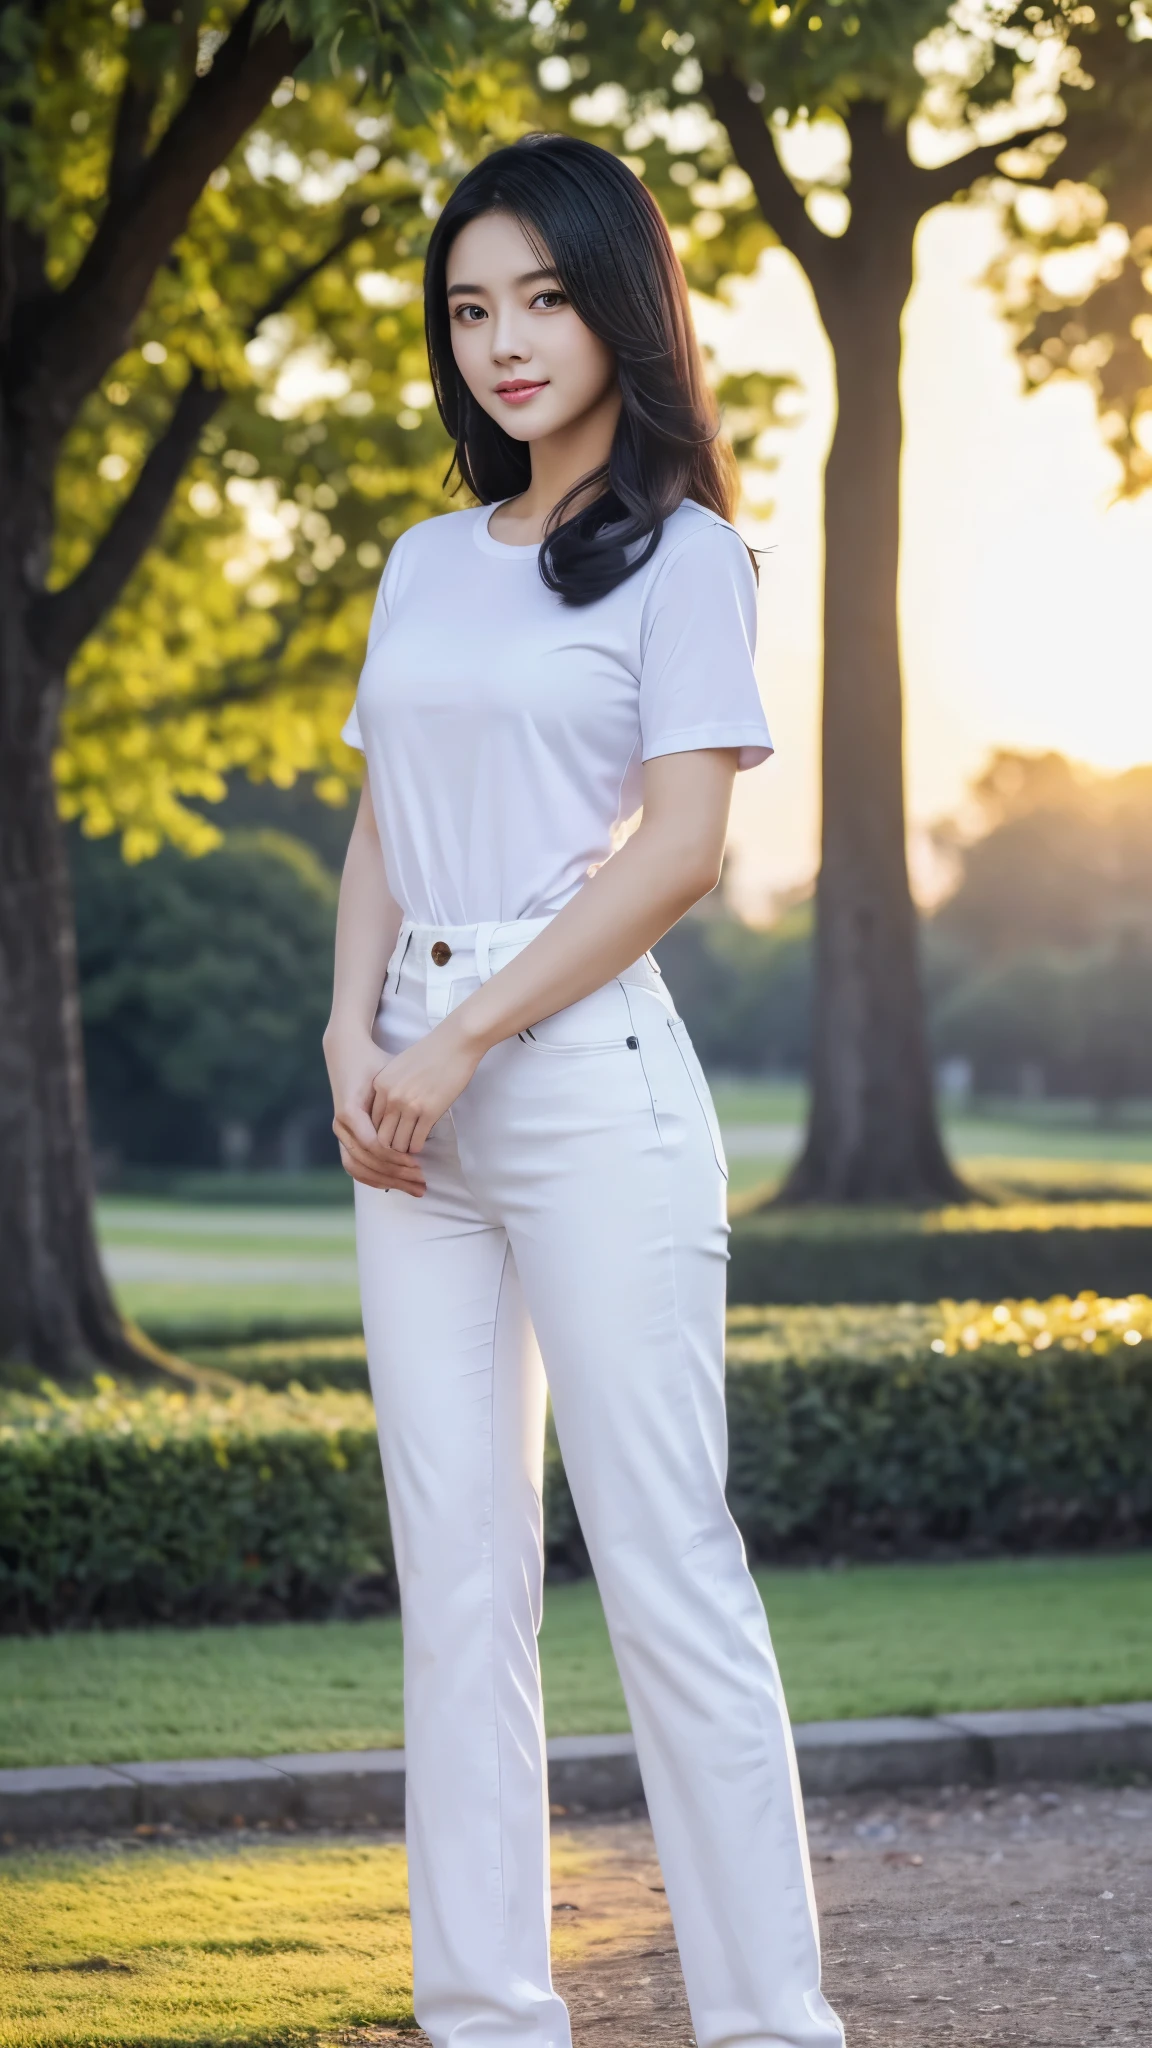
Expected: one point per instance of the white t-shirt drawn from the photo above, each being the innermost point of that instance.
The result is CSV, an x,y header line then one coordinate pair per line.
x,y
505,730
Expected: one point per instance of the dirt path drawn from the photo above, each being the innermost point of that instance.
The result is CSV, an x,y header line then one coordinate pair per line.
x,y
1018,1920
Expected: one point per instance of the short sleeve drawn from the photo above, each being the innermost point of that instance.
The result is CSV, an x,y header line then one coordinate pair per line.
x,y
350,731
698,641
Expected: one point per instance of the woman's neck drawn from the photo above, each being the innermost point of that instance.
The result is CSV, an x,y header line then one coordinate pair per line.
x,y
559,461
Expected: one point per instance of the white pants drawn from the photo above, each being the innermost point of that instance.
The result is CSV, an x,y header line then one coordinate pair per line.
x,y
575,1201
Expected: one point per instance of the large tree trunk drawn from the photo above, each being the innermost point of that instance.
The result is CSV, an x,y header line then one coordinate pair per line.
x,y
55,1310
873,1133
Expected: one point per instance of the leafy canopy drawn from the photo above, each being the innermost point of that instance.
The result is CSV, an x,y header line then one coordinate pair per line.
x,y
294,295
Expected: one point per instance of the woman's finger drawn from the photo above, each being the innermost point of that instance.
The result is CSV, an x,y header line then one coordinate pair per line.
x,y
406,1125
367,1160
353,1120
372,1174
386,1130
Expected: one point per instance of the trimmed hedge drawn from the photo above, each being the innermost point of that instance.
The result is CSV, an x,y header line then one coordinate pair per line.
x,y
312,1362
856,1431
165,1507
976,1251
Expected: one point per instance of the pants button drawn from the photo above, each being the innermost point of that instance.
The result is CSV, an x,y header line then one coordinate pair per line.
x,y
441,953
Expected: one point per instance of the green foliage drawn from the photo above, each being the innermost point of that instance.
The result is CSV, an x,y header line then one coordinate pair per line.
x,y
1073,276
165,1506
204,991
999,1442
312,1362
1043,953
295,294
1063,858
745,995
851,1431
880,1255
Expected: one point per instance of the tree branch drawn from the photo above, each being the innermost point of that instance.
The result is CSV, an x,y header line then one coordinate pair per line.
x,y
938,186
756,153
138,100
89,322
61,620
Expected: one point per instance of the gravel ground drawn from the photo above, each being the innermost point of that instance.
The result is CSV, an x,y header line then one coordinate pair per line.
x,y
1017,1919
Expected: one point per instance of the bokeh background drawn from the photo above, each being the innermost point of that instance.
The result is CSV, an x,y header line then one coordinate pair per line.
x,y
923,230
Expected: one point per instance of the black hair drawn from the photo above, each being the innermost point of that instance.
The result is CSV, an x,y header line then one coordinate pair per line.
x,y
605,237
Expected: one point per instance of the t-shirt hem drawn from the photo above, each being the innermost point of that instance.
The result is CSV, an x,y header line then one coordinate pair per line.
x,y
754,742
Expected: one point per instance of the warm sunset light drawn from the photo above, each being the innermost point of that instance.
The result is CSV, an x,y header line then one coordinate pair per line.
x,y
1024,585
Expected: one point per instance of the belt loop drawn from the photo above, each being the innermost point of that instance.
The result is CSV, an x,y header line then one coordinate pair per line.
x,y
399,953
484,935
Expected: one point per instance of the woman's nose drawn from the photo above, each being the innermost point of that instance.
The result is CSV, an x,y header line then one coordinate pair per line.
x,y
508,344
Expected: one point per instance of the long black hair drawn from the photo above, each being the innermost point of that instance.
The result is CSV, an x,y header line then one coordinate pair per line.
x,y
607,241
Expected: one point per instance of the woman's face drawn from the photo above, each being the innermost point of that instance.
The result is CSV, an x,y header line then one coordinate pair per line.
x,y
523,352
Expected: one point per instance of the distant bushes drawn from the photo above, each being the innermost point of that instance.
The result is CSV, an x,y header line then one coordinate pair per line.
x,y
878,1255
854,1432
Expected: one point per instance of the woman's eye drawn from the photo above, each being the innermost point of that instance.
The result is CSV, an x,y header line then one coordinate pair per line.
x,y
549,299
469,314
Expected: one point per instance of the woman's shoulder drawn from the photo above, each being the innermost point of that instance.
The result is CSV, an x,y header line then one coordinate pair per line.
x,y
690,523
697,541
433,537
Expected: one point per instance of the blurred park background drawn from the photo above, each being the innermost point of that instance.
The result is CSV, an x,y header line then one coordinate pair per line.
x,y
918,239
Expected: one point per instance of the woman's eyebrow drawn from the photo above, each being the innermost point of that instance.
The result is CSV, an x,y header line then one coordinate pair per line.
x,y
529,277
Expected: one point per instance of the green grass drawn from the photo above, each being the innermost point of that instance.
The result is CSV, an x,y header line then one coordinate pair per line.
x,y
228,1304
883,1639
219,1313
274,1943
215,1944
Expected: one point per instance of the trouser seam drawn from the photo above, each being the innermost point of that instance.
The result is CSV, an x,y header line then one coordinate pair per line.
x,y
492,1591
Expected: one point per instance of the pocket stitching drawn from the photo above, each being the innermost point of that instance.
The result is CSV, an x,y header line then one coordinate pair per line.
x,y
711,1120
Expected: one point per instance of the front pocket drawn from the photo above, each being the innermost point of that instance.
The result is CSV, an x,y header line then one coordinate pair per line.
x,y
601,1022
700,1088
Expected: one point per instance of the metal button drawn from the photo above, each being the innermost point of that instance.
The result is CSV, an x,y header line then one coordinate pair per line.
x,y
441,953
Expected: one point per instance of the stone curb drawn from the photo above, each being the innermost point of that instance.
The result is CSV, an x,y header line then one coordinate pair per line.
x,y
586,1773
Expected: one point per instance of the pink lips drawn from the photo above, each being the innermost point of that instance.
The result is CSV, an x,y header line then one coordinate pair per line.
x,y
518,389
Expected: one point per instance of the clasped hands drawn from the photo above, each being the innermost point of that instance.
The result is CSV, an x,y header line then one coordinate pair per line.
x,y
386,1106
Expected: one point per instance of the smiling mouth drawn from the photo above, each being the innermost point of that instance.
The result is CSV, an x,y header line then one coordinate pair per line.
x,y
518,389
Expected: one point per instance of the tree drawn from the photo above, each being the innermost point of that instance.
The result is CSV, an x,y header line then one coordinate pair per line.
x,y
1074,276
1044,949
746,996
167,267
204,992
775,78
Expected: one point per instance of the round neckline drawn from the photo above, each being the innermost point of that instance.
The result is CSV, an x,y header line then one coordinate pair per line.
x,y
488,542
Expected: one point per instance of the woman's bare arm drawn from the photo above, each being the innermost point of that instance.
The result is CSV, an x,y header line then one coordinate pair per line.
x,y
671,860
367,922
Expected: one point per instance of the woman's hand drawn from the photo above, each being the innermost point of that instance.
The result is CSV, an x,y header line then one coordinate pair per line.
x,y
413,1091
355,1065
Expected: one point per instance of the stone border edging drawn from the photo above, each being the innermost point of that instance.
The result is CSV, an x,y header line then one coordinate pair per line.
x,y
586,1773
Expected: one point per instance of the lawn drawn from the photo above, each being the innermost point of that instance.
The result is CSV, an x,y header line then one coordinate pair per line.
x,y
216,1944
186,1267
883,1639
276,1942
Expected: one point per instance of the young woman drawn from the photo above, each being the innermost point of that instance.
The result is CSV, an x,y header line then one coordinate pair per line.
x,y
539,1172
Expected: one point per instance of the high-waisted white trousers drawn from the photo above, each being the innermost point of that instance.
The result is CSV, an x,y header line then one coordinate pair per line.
x,y
575,1211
